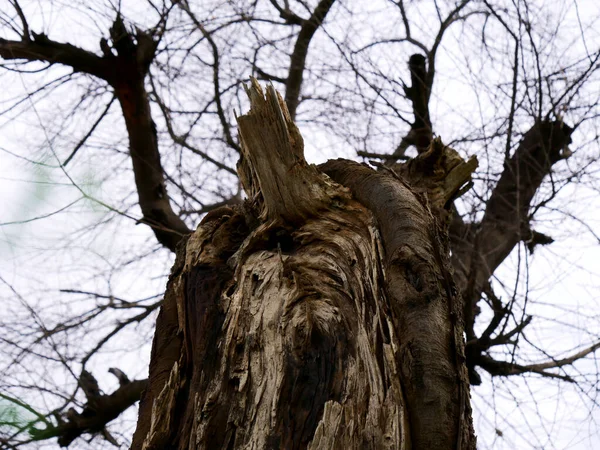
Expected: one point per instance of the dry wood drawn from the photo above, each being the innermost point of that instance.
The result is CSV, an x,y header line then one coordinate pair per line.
x,y
309,317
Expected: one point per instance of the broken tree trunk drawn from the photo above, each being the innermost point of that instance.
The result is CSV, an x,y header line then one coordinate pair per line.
x,y
320,314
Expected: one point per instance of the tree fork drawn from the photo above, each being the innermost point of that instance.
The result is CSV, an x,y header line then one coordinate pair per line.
x,y
313,316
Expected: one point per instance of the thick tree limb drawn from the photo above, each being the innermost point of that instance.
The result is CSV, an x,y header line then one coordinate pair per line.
x,y
147,168
125,72
298,58
41,48
131,66
478,249
506,219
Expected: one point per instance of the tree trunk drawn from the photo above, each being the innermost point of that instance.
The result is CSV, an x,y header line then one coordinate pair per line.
x,y
315,315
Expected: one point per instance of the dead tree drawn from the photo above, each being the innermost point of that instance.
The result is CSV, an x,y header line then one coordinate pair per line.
x,y
320,314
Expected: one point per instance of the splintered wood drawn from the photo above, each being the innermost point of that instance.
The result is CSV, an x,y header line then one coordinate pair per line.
x,y
314,315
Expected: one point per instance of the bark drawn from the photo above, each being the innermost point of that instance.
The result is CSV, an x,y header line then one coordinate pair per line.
x,y
315,315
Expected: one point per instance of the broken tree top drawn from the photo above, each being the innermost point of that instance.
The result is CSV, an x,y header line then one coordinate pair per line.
x,y
272,167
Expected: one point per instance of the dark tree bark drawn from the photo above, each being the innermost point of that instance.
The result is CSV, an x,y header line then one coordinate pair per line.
x,y
99,410
314,315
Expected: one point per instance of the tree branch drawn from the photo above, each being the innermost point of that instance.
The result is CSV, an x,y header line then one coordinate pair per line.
x,y
298,58
84,139
182,140
216,68
96,414
505,368
41,48
452,17
505,222
422,74
131,66
26,34
126,73
420,134
286,14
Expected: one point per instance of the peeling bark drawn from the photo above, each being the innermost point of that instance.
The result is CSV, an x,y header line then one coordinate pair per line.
x,y
315,315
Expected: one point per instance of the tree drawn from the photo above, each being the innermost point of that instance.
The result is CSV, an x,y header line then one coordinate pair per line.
x,y
295,315
312,312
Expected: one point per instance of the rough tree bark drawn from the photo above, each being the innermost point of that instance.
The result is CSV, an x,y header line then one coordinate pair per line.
x,y
320,314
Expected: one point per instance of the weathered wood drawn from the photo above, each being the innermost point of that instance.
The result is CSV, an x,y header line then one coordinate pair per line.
x,y
309,317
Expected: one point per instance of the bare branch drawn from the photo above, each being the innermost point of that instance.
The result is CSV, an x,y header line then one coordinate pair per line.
x,y
450,19
90,132
97,413
181,140
505,368
26,35
505,222
286,14
41,48
216,84
298,58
